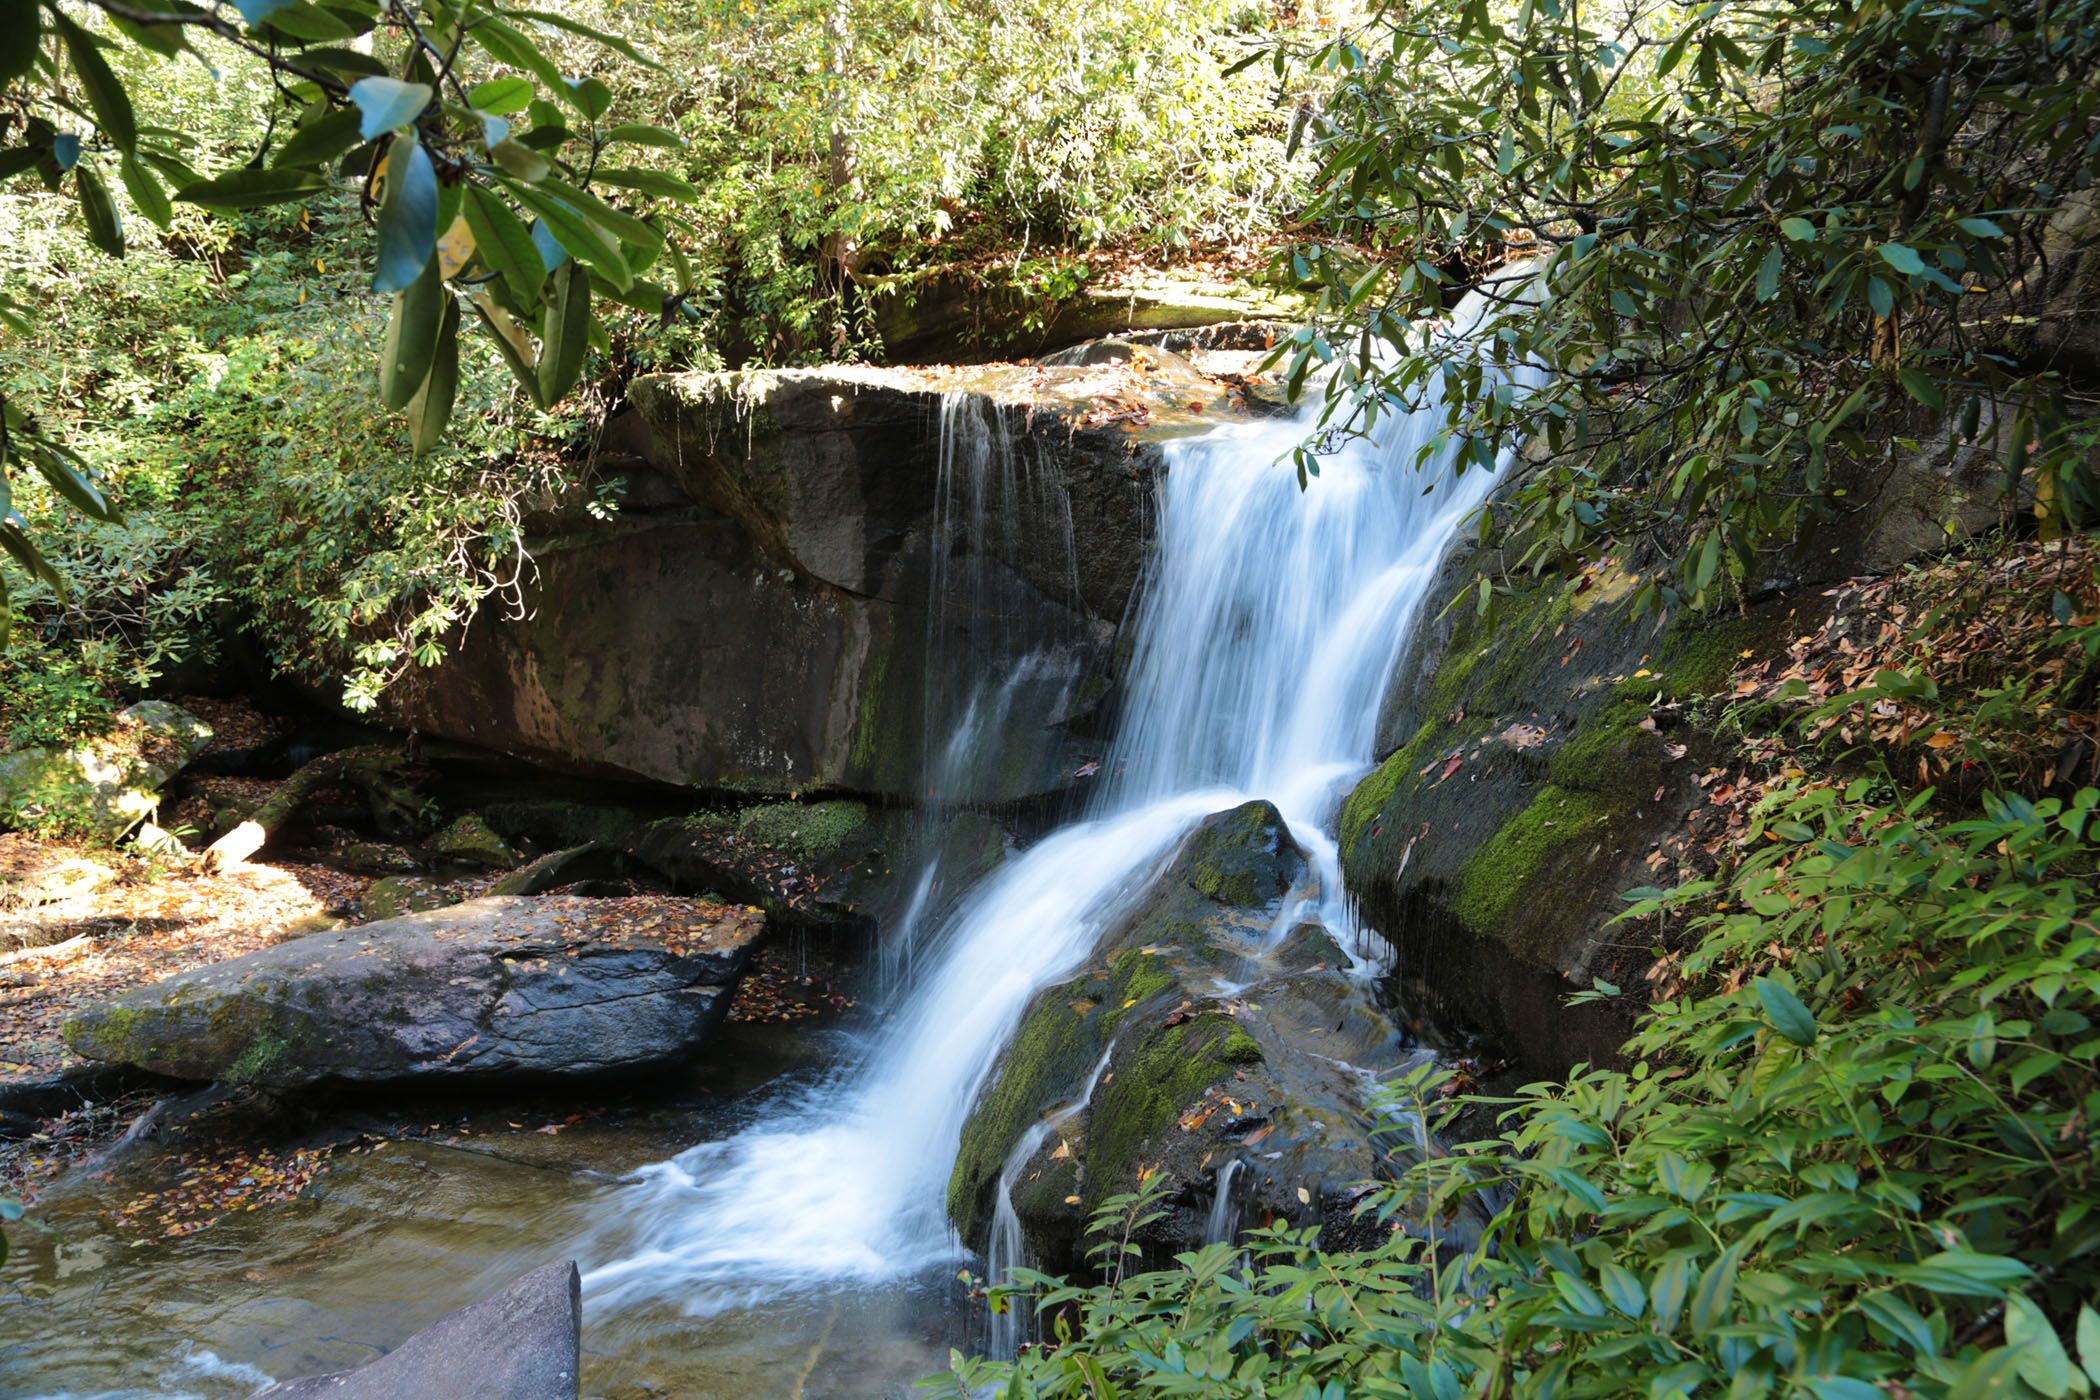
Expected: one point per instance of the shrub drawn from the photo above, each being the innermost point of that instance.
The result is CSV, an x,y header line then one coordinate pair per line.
x,y
1853,1159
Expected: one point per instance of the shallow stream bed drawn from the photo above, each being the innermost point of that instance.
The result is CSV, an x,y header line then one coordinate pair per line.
x,y
392,1237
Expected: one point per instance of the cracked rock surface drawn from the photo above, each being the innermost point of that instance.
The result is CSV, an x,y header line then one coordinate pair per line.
x,y
518,986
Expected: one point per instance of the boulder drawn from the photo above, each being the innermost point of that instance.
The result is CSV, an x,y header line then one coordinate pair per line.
x,y
498,986
1197,1038
104,786
823,575
590,861
469,840
520,1344
394,895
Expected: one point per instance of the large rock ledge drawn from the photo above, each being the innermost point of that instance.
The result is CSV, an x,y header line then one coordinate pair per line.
x,y
798,589
499,986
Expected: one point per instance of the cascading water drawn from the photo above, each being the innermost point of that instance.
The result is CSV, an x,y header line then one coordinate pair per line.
x,y
1224,1220
1269,621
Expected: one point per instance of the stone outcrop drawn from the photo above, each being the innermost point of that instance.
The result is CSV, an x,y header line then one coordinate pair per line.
x,y
1532,761
500,986
521,1344
798,593
105,786
1196,1038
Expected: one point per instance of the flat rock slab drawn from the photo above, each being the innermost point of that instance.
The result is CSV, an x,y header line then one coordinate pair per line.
x,y
519,1345
504,985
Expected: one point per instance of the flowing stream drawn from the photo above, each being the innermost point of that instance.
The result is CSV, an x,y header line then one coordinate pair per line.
x,y
801,1248
1268,624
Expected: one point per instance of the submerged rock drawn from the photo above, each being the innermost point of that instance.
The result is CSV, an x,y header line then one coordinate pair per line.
x,y
105,786
521,1344
498,986
1202,1035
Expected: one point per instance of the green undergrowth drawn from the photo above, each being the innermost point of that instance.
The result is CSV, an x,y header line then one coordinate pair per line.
x,y
1852,1158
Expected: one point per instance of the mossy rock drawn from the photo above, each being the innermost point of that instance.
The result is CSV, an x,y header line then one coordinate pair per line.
x,y
396,895
470,840
102,787
1210,1037
1547,748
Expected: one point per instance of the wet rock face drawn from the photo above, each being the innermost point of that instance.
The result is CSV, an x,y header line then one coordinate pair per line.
x,y
1217,1040
521,1344
767,612
501,986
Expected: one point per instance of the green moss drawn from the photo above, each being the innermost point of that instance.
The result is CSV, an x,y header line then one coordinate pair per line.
x,y
867,734
1510,865
262,1052
1052,1049
1611,755
1699,654
1152,1088
106,1033
1229,855
1370,796
802,829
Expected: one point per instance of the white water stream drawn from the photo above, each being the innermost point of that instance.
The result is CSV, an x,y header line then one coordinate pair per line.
x,y
1269,621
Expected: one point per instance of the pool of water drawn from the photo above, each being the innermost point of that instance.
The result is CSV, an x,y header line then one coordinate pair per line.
x,y
389,1240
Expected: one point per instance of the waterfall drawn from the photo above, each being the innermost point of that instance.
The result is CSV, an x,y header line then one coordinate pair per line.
x,y
1269,621
1224,1221
1006,1250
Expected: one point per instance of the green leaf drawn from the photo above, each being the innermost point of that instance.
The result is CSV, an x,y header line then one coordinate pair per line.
x,y
507,45
2089,1342
565,333
500,96
1710,1304
1768,273
340,60
252,188
1798,229
522,161
622,225
1881,298
105,94
105,228
505,244
575,234
1901,1322
146,192
257,11
592,97
1785,1011
20,39
81,493
387,104
320,140
1903,258
584,31
636,134
653,182
1980,228
511,343
2044,1364
431,408
407,217
1921,387
411,337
